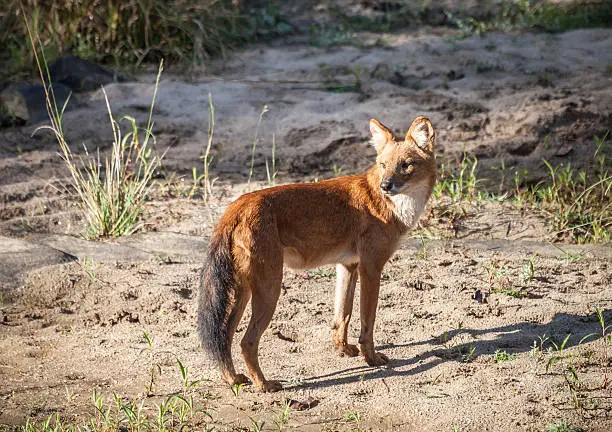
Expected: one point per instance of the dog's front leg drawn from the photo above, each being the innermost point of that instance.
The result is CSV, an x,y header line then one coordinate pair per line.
x,y
345,292
369,276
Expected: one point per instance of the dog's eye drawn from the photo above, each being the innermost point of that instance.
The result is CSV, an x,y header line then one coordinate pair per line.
x,y
383,165
406,165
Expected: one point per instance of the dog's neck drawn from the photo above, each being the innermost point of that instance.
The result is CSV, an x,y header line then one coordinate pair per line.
x,y
408,206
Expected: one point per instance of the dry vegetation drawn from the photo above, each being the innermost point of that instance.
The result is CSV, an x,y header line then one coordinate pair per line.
x,y
121,32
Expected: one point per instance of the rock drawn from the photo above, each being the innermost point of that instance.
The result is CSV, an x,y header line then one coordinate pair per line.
x,y
9,120
79,74
18,257
26,102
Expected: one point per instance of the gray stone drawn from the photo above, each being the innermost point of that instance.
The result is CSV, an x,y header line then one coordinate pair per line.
x,y
80,75
139,247
18,257
28,101
98,250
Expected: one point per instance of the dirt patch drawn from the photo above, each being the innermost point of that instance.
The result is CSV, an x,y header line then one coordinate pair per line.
x,y
69,330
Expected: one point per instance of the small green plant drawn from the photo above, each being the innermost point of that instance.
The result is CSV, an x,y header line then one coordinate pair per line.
x,y
525,14
460,186
154,367
503,356
319,273
537,349
133,415
556,352
255,140
444,338
606,334
497,276
179,409
102,416
271,173
423,251
70,395
337,170
562,426
568,256
527,272
236,389
354,416
256,425
513,292
207,158
90,268
560,347
177,412
499,282
47,426
456,344
187,384
520,198
283,417
468,356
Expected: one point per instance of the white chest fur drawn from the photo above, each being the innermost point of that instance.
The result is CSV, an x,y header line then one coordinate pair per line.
x,y
410,205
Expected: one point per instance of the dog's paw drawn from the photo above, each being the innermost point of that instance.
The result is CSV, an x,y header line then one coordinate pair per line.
x,y
377,359
271,386
347,350
241,379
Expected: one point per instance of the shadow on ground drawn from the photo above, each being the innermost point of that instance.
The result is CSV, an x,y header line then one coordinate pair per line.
x,y
516,338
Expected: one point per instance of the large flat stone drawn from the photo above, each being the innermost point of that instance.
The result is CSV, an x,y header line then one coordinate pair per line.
x,y
17,257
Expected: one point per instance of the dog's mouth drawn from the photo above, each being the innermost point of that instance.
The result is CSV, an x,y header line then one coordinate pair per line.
x,y
395,191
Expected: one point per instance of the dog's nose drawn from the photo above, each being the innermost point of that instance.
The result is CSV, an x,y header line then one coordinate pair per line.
x,y
386,185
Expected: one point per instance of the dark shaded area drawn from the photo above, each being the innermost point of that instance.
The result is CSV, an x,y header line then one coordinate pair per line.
x,y
80,75
26,104
515,338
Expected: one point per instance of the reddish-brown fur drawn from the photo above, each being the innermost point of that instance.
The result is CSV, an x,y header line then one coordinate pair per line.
x,y
354,221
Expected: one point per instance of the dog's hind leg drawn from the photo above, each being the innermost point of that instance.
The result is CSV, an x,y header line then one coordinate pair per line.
x,y
266,287
227,368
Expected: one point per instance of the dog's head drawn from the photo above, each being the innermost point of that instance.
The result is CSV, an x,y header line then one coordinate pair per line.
x,y
404,164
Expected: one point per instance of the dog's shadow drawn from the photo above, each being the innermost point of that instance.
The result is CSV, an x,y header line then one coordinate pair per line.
x,y
515,338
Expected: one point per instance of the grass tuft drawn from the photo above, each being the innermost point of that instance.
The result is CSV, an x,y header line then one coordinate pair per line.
x,y
502,356
576,203
562,426
111,191
460,184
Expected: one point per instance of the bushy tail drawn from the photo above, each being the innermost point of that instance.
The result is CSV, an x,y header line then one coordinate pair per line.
x,y
216,284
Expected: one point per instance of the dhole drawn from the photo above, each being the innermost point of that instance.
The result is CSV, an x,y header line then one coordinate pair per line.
x,y
354,221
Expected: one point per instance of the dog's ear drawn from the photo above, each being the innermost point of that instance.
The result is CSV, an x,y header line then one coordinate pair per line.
x,y
381,135
422,133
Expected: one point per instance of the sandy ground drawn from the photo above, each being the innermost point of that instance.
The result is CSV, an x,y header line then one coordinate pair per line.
x,y
519,98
